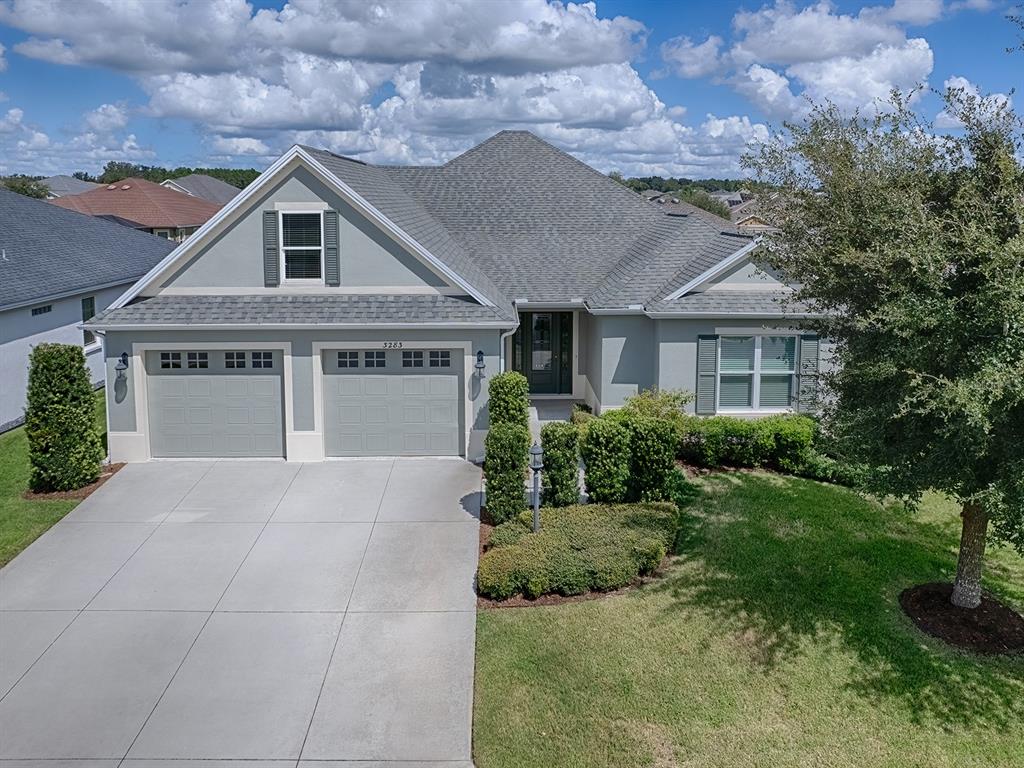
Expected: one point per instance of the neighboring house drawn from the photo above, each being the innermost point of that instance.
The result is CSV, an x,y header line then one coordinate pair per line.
x,y
204,187
141,204
673,206
336,308
58,268
61,186
747,217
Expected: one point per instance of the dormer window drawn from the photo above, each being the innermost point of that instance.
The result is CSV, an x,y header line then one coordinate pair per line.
x,y
302,246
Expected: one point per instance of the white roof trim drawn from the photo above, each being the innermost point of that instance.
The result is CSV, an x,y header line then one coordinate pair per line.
x,y
201,235
720,268
143,326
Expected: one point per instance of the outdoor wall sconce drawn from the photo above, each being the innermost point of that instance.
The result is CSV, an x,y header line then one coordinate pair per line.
x,y
480,365
121,365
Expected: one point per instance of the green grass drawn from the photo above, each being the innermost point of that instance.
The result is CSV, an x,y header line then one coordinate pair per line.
x,y
774,640
23,521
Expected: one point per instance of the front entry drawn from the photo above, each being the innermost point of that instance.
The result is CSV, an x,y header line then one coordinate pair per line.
x,y
542,351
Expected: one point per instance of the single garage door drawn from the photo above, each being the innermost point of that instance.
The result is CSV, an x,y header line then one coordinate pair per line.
x,y
206,403
393,402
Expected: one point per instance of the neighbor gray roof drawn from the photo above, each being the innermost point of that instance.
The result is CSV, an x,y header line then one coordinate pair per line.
x,y
66,185
47,251
741,302
206,187
299,310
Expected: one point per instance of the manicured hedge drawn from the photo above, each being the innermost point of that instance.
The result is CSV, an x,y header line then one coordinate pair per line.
x,y
509,399
505,462
652,449
65,449
606,457
578,549
782,442
561,478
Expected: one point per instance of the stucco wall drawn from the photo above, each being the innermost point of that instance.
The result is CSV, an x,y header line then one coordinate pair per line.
x,y
368,256
20,332
121,395
620,357
746,276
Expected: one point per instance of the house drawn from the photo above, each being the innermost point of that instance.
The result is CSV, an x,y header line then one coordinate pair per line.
x,y
61,186
58,268
144,205
336,308
672,205
204,187
747,217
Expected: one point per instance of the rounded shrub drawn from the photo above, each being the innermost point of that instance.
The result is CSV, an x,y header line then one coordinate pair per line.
x,y
509,399
561,476
65,450
605,450
652,448
792,440
505,462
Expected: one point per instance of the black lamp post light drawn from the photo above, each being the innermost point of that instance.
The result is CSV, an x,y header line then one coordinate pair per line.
x,y
537,465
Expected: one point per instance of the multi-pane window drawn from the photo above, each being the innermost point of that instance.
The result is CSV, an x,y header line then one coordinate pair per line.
x,y
170,360
440,358
348,359
88,313
197,359
262,359
756,372
42,310
234,359
302,245
373,358
412,359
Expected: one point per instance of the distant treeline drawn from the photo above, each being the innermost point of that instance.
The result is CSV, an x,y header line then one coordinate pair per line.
x,y
115,171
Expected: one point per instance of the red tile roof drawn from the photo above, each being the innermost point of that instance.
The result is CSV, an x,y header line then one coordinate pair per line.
x,y
138,200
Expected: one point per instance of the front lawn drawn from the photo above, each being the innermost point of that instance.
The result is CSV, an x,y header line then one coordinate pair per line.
x,y
775,640
23,521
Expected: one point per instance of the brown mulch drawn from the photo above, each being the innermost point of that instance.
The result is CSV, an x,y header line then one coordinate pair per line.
x,y
991,628
108,471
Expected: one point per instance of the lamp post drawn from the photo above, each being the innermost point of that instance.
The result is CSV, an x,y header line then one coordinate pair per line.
x,y
536,464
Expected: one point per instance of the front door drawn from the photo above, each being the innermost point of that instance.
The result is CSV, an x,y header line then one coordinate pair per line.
x,y
542,351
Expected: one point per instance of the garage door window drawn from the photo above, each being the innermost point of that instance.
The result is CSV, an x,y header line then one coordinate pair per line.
x,y
198,360
348,359
262,359
440,358
373,359
170,360
234,359
412,359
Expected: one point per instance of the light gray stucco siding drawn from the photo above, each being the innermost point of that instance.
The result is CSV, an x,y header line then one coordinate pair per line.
x,y
624,345
20,331
368,256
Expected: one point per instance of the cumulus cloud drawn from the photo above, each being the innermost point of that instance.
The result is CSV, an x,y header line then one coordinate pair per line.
x,y
3,61
107,118
691,60
237,147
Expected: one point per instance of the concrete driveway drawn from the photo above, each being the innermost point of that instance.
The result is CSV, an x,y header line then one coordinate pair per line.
x,y
248,610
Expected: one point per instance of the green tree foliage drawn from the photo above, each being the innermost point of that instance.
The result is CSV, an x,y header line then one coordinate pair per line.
x,y
27,186
703,200
912,243
65,450
115,171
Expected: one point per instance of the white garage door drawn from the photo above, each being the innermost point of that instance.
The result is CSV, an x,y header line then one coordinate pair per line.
x,y
393,402
215,404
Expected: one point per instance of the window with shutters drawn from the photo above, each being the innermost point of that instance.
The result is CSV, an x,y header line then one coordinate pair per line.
x,y
88,313
756,373
302,247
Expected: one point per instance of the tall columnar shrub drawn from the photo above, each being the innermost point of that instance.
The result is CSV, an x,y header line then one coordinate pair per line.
x,y
505,464
509,399
64,447
605,450
561,478
652,449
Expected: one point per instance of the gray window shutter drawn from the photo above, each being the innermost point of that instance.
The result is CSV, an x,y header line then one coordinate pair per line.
x,y
707,374
271,252
807,375
332,264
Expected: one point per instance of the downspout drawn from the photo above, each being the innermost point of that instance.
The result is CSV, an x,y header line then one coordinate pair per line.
x,y
501,340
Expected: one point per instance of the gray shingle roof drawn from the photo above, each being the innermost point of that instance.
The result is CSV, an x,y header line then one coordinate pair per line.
x,y
49,251
742,302
299,311
66,185
206,187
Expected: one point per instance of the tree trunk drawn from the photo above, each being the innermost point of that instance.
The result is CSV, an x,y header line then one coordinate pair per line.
x,y
967,587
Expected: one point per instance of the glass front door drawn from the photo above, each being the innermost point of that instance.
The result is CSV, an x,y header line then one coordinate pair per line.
x,y
542,351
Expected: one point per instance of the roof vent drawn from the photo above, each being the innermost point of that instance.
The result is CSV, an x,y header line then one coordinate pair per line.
x,y
112,186
127,186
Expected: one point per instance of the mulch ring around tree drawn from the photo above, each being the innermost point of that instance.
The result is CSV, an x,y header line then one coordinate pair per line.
x,y
991,628
107,472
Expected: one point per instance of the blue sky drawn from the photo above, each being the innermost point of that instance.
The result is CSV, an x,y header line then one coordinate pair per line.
x,y
677,88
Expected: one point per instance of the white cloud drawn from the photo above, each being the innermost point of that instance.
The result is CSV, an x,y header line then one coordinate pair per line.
x,y
915,12
691,60
237,147
3,61
768,90
107,118
12,121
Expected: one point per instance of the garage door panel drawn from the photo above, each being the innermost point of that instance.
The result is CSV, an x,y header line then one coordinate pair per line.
x,y
414,415
414,385
199,416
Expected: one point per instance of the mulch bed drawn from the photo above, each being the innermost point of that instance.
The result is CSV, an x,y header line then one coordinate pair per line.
x,y
108,471
991,628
